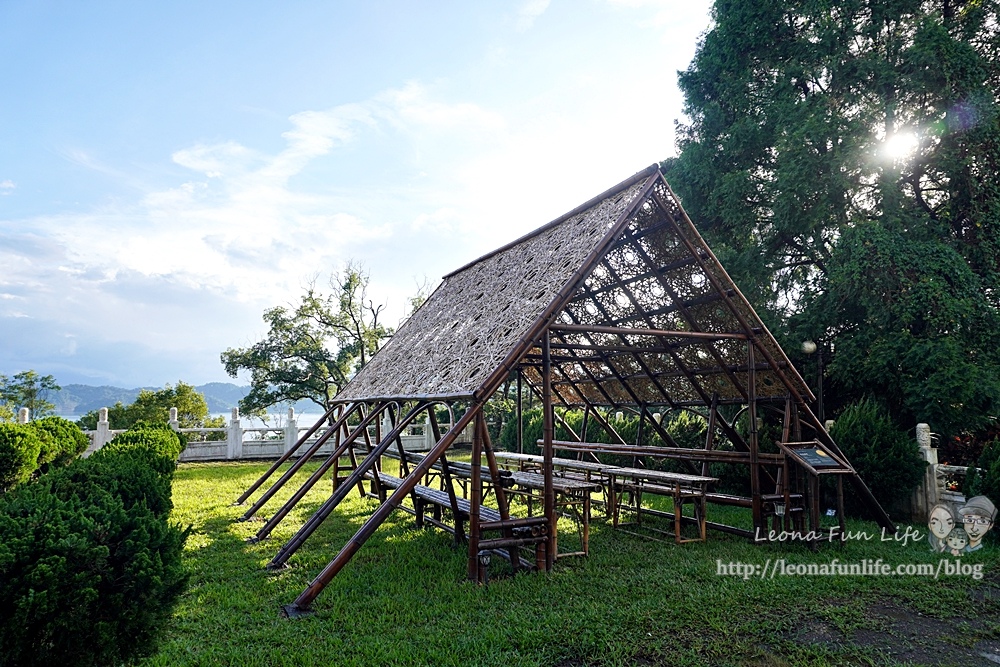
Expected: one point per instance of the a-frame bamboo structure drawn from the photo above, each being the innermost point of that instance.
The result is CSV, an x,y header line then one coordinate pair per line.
x,y
618,304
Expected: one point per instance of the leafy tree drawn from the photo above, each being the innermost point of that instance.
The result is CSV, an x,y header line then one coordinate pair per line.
x,y
840,158
154,406
311,351
28,389
986,480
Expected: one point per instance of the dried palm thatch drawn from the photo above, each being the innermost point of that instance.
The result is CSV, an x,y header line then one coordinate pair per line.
x,y
479,313
655,272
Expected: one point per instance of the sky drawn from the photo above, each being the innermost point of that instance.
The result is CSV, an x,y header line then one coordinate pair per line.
x,y
170,170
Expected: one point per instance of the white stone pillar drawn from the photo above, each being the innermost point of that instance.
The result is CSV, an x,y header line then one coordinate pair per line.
x,y
174,424
925,496
291,430
234,440
23,416
386,423
102,435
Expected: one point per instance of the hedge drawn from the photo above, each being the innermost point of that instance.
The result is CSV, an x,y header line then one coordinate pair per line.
x,y
90,567
19,450
62,441
37,446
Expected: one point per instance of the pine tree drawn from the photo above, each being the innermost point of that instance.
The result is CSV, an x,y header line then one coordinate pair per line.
x,y
842,159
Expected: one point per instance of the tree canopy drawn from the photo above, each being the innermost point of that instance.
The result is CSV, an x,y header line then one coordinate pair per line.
x,y
841,157
27,389
154,406
312,349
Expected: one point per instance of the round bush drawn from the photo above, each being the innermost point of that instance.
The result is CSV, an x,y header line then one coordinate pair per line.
x,y
159,439
19,450
62,440
887,459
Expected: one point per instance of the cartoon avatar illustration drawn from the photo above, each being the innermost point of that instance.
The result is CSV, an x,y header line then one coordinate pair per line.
x,y
957,541
941,522
978,515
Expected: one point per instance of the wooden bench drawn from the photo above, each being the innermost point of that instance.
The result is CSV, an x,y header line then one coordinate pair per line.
x,y
436,499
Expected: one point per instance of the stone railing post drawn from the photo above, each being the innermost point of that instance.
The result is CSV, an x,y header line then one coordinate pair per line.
x,y
101,435
23,416
925,496
234,444
291,430
174,424
428,435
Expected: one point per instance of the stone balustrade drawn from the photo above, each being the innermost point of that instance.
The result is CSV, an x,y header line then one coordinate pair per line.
x,y
252,442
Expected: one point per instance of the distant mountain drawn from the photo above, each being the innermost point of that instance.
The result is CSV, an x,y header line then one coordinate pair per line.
x,y
222,396
79,399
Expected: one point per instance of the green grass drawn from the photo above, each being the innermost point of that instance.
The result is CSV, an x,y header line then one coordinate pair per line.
x,y
403,599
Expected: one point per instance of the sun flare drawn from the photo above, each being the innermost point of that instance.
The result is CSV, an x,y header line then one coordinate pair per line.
x,y
900,146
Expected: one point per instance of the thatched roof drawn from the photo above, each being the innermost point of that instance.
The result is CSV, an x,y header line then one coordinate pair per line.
x,y
628,259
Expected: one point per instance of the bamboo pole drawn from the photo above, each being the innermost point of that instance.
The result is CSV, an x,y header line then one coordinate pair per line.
x,y
305,599
332,430
346,444
287,455
338,496
549,494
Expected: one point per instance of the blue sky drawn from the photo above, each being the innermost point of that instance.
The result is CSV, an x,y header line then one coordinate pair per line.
x,y
169,170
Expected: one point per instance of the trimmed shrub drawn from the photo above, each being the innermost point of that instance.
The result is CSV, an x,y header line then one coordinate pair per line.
x,y
19,450
62,441
84,579
136,477
159,438
90,568
887,459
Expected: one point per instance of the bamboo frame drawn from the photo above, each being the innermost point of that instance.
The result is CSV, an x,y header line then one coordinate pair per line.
x,y
619,304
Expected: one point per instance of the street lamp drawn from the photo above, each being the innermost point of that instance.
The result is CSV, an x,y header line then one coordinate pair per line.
x,y
810,347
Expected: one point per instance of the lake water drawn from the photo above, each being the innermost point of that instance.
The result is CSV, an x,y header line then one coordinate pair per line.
x,y
304,419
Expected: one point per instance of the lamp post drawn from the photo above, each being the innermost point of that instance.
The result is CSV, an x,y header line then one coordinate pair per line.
x,y
810,347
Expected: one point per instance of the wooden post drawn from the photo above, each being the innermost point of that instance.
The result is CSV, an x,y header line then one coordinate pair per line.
x,y
520,415
475,496
757,510
549,494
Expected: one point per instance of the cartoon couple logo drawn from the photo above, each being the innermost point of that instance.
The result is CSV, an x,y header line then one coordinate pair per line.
x,y
962,531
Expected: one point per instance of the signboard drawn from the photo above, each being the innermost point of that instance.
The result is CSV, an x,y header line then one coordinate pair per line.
x,y
815,457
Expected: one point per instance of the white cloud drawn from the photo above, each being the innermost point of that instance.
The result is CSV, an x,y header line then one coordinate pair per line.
x,y
6,187
677,20
412,108
244,231
528,12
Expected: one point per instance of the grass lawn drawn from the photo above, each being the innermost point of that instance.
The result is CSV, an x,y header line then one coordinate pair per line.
x,y
403,599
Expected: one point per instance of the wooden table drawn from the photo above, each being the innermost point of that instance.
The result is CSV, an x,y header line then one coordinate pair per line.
x,y
571,494
636,481
682,488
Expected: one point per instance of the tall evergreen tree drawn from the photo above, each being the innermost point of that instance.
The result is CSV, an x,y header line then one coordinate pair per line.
x,y
842,157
